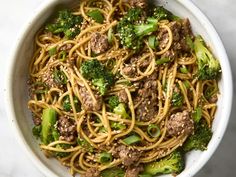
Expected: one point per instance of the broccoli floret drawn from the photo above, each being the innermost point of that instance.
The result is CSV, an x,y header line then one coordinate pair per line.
x,y
200,139
85,144
94,71
160,13
113,172
131,33
67,105
66,23
208,66
146,28
101,84
113,102
62,154
36,130
173,163
120,110
177,99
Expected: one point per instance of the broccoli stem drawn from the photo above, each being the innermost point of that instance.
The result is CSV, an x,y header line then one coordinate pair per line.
x,y
49,119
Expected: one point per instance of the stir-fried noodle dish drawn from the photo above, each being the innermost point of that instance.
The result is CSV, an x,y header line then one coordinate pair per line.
x,y
121,88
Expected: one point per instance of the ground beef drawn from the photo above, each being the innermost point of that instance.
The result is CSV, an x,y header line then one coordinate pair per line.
x,y
47,78
122,95
147,99
145,63
186,28
133,171
171,54
129,70
180,30
176,30
91,172
126,154
66,47
37,120
99,43
180,123
138,3
88,102
213,99
67,128
163,38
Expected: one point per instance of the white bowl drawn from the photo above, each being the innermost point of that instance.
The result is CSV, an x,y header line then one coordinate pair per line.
x,y
17,95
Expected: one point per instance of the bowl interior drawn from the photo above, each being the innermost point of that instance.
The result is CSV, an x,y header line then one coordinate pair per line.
x,y
21,116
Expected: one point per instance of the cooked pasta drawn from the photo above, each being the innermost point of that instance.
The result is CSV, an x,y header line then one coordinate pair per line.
x,y
118,86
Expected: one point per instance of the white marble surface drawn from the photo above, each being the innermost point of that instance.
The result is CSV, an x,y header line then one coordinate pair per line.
x,y
14,13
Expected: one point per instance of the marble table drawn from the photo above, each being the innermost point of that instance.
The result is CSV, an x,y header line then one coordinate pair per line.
x,y
14,13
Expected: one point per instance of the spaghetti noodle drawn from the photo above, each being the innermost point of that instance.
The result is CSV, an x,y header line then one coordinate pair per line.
x,y
153,86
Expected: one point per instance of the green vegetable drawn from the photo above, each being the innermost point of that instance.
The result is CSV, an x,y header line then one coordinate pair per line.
x,y
145,175
208,66
197,114
132,139
120,110
113,172
186,84
146,28
94,71
152,42
62,154
160,13
85,144
117,126
55,134
177,99
210,91
113,102
62,56
66,24
189,42
131,34
36,130
110,35
105,157
173,163
200,139
96,15
52,51
184,70
101,84
49,119
162,60
67,105
153,130
59,77
102,130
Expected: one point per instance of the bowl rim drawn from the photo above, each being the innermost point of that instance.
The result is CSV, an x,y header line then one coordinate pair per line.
x,y
188,5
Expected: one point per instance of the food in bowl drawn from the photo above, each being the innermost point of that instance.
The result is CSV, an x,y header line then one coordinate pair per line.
x,y
122,89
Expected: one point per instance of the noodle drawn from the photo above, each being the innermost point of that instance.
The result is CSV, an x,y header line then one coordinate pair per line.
x,y
74,97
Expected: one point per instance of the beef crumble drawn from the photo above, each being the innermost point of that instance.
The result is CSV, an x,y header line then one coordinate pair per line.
x,y
122,95
99,43
180,123
138,3
127,155
67,128
88,102
180,30
91,172
133,171
147,98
